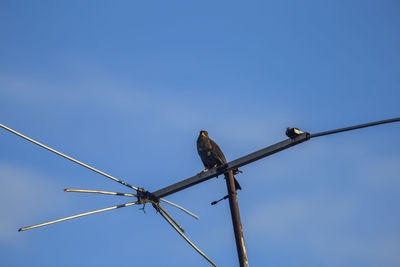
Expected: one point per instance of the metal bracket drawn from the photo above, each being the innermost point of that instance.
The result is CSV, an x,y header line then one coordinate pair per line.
x,y
145,196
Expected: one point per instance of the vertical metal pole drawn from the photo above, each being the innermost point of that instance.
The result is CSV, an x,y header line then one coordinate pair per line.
x,y
237,225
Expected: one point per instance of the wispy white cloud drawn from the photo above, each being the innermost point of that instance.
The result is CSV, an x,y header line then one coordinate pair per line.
x,y
24,195
325,227
129,101
382,173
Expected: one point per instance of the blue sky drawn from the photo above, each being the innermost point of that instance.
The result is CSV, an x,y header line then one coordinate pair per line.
x,y
125,86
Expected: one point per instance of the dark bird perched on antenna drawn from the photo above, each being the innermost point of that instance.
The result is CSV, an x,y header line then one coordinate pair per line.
x,y
293,132
211,155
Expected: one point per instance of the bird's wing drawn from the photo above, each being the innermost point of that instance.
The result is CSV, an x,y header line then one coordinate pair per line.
x,y
207,162
218,152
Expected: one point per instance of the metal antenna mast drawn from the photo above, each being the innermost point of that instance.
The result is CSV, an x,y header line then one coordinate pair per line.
x,y
144,196
237,224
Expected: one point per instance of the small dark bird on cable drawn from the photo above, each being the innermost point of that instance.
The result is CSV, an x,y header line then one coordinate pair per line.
x,y
293,132
211,155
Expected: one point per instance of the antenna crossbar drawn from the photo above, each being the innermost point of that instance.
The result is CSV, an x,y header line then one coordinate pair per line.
x,y
262,153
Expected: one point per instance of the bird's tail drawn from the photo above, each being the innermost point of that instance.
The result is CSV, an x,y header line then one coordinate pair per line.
x,y
237,185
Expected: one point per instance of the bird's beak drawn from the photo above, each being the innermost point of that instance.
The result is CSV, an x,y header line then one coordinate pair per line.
x,y
203,134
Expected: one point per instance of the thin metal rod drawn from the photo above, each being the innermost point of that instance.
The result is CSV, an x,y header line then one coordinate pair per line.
x,y
78,215
67,157
99,192
187,239
172,219
354,127
237,225
179,207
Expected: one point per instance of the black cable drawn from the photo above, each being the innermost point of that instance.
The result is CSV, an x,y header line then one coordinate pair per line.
x,y
354,127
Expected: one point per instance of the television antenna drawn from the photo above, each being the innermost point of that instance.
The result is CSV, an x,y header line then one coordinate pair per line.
x,y
143,196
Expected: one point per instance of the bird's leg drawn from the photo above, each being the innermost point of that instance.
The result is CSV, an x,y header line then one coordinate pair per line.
x,y
206,169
